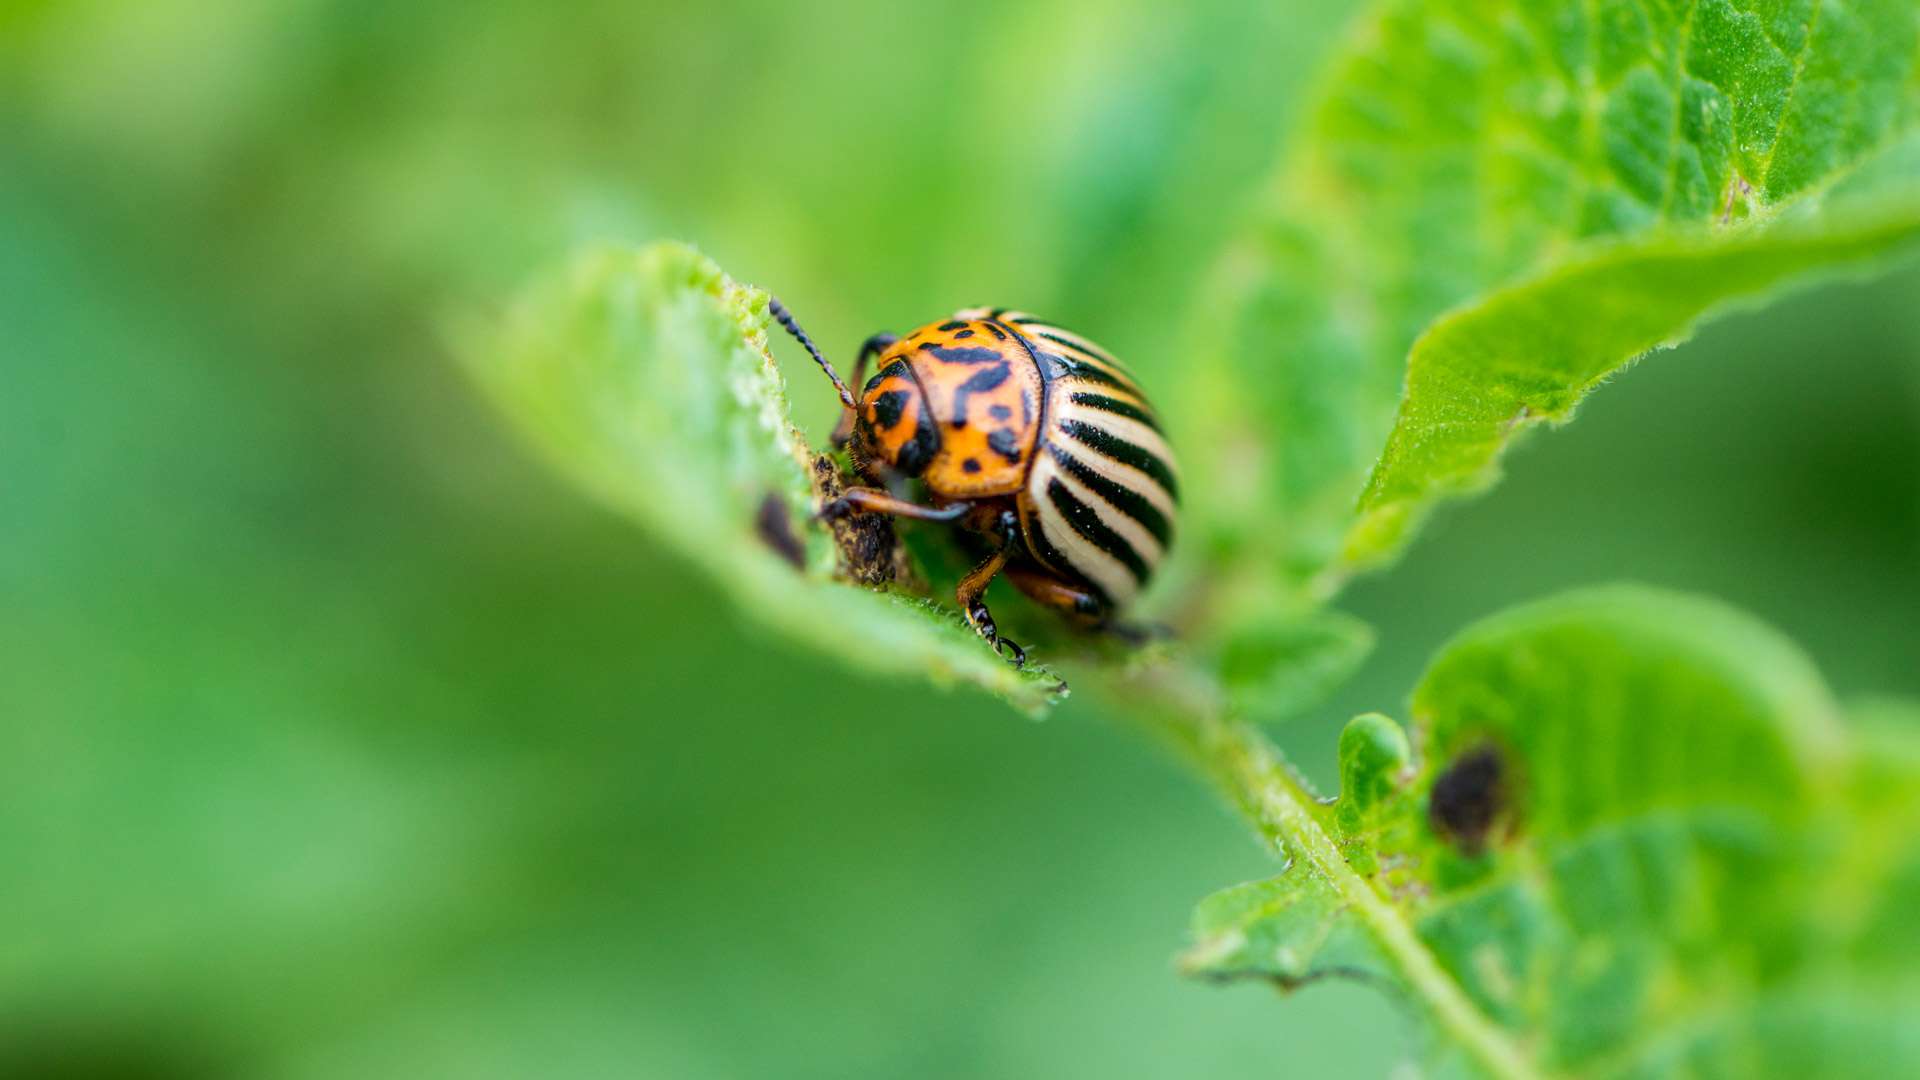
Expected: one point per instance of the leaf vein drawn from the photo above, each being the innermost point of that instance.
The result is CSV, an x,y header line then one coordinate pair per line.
x,y
1787,98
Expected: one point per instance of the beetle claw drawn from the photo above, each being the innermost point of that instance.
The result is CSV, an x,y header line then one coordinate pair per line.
x,y
983,625
1013,653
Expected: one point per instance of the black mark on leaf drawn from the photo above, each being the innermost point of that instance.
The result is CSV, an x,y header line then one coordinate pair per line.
x,y
1469,798
776,531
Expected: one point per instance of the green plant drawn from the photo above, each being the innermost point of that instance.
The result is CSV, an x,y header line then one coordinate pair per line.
x,y
1637,836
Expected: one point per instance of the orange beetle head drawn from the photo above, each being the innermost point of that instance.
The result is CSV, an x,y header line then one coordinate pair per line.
x,y
891,423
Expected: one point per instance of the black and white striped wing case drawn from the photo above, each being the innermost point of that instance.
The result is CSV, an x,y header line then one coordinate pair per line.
x,y
1103,489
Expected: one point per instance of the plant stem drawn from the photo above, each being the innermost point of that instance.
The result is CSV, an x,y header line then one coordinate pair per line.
x,y
1253,775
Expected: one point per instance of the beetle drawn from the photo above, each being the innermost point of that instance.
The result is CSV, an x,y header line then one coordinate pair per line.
x,y
1025,433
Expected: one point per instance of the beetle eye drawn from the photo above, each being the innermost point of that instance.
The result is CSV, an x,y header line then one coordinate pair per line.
x,y
915,454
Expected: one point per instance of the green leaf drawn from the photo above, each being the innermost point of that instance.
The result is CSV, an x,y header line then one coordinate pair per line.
x,y
1290,929
1279,667
1578,181
644,376
1528,354
1640,839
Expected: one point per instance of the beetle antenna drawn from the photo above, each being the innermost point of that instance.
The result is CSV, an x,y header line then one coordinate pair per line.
x,y
779,311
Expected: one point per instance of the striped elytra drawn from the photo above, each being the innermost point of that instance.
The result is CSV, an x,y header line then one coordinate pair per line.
x,y
1023,431
1102,491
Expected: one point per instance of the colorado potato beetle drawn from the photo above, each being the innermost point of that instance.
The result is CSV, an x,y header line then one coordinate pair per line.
x,y
1022,432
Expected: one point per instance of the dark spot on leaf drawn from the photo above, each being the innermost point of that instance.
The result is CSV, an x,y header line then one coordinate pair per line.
x,y
775,526
1469,798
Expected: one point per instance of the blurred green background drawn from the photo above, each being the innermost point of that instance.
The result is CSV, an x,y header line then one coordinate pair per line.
x,y
340,739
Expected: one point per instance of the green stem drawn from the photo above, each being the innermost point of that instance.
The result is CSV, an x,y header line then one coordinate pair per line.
x,y
1253,775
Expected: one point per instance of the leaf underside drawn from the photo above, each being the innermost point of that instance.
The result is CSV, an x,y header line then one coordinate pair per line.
x,y
1639,837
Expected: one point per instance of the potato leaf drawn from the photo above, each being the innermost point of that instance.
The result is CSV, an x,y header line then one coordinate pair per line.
x,y
1579,181
1281,666
1528,354
1639,839
644,376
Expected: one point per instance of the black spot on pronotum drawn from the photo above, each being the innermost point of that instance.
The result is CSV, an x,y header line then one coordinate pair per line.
x,y
1005,443
775,527
1469,797
1000,412
917,453
950,327
964,354
978,383
971,465
887,408
895,370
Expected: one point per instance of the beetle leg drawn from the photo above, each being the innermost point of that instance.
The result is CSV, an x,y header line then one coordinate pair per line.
x,y
872,347
971,594
1081,605
875,501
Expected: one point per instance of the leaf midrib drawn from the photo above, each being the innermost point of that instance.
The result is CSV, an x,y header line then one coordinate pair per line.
x,y
1285,810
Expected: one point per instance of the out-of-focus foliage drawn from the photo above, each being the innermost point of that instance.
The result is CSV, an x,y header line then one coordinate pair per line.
x,y
1638,836
1286,664
1458,146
